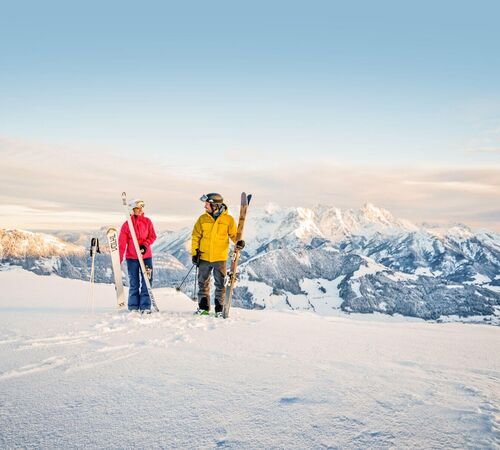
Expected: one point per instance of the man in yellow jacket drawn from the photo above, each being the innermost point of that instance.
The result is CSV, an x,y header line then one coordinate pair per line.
x,y
210,250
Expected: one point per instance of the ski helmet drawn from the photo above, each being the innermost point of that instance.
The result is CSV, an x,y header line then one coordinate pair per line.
x,y
213,198
136,203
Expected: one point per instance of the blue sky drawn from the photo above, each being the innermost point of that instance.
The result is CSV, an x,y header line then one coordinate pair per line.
x,y
203,87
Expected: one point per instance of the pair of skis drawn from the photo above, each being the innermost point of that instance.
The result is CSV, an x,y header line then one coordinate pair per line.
x,y
112,235
231,277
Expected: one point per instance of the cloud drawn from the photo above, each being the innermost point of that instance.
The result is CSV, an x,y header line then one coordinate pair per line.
x,y
484,150
417,193
457,186
46,187
487,139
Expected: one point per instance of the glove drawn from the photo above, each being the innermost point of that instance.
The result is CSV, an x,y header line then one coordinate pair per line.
x,y
143,249
240,245
196,258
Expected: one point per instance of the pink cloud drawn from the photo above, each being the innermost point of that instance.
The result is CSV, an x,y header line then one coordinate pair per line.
x,y
67,188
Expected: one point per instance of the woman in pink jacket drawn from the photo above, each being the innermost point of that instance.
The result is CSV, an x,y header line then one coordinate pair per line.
x,y
138,297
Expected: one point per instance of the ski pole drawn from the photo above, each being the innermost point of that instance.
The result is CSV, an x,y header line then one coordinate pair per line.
x,y
195,283
178,288
94,248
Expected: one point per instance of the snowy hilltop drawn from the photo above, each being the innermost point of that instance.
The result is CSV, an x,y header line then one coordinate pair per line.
x,y
327,260
261,379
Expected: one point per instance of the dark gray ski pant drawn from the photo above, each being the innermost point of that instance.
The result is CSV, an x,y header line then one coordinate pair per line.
x,y
204,270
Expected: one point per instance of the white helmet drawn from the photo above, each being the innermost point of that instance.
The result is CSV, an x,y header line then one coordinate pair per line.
x,y
137,203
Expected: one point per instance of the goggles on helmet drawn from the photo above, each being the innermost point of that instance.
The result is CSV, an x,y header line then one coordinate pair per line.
x,y
213,198
136,204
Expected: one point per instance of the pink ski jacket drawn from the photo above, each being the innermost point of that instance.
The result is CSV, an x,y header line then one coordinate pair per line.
x,y
145,233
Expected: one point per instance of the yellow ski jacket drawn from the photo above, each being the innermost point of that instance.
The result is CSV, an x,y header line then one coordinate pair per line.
x,y
212,236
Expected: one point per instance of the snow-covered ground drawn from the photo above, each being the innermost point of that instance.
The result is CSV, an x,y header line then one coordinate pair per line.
x,y
70,378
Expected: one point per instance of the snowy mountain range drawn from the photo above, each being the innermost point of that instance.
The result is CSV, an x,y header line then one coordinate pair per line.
x,y
321,259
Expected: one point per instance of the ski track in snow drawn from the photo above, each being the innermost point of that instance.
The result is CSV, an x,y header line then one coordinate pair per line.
x,y
100,337
46,364
259,380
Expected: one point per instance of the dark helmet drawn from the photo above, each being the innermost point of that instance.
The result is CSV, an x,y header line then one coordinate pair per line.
x,y
213,198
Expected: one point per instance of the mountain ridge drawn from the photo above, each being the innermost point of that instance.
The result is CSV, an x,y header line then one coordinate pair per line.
x,y
380,263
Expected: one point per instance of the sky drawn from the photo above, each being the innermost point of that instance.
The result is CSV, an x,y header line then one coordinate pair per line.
x,y
300,102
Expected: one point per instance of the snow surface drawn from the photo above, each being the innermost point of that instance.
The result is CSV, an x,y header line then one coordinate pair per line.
x,y
369,268
424,272
323,294
479,279
262,379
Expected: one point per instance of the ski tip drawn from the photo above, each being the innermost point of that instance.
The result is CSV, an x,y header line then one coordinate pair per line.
x,y
245,199
111,230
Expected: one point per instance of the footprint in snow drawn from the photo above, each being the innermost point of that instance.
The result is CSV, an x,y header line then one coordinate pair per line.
x,y
290,400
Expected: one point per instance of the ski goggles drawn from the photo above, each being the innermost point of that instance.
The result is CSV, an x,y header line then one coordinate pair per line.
x,y
210,198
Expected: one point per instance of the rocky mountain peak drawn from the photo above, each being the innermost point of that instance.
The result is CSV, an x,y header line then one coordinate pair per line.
x,y
22,244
